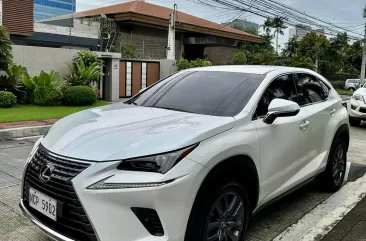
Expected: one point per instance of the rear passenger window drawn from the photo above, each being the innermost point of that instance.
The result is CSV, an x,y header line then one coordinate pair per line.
x,y
282,88
310,89
351,81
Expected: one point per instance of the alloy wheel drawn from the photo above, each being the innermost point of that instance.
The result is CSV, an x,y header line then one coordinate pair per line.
x,y
226,219
338,167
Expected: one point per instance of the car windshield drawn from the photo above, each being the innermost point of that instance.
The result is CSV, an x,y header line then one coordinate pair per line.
x,y
216,93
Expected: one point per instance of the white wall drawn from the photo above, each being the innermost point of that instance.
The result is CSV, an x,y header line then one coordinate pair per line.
x,y
36,59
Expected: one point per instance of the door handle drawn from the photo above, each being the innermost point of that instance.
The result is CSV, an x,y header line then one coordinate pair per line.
x,y
304,125
332,112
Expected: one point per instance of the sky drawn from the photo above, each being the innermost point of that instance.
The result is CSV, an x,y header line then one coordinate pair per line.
x,y
345,13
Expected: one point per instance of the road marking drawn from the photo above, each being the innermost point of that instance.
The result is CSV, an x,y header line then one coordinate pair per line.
x,y
318,222
26,138
347,171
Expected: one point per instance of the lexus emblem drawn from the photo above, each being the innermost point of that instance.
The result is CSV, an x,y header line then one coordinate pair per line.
x,y
45,172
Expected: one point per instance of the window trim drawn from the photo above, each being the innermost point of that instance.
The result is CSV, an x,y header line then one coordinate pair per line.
x,y
318,102
269,83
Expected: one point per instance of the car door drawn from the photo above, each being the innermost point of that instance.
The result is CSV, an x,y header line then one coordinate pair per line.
x,y
284,148
314,98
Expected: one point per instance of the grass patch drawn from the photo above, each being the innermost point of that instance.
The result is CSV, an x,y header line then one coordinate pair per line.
x,y
33,112
344,92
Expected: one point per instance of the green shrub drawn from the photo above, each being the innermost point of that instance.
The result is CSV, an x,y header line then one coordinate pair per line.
x,y
42,88
185,64
7,99
54,98
240,59
81,74
338,84
79,95
12,82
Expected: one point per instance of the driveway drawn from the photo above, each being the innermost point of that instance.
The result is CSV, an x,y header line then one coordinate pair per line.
x,y
267,225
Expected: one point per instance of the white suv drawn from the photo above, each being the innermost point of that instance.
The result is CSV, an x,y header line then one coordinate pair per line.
x,y
191,158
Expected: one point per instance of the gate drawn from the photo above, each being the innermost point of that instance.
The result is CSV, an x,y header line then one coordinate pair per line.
x,y
136,75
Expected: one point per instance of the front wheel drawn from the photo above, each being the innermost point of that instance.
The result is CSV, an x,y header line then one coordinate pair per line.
x,y
354,122
333,177
219,215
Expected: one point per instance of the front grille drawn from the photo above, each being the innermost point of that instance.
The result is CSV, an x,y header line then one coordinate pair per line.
x,y
72,220
363,110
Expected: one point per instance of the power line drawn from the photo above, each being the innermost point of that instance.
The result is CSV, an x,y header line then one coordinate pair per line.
x,y
271,8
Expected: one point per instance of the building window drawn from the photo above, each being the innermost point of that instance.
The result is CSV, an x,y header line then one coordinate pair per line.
x,y
44,9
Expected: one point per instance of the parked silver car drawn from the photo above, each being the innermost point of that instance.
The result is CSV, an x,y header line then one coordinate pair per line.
x,y
352,84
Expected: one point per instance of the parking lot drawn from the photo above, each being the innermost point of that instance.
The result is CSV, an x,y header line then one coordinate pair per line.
x,y
271,222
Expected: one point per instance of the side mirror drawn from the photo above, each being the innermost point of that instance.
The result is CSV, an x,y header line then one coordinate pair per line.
x,y
281,108
142,90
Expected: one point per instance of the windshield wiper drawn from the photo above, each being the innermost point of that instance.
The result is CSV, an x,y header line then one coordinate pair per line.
x,y
134,103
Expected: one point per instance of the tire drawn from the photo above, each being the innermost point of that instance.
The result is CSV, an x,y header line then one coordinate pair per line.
x,y
206,219
354,122
353,89
333,177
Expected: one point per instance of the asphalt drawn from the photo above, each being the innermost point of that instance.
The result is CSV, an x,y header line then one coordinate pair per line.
x,y
266,225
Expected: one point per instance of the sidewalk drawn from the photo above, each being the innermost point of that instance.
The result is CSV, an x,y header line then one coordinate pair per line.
x,y
10,125
11,130
352,227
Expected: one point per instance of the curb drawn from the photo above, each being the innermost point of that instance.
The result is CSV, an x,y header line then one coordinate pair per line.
x,y
8,134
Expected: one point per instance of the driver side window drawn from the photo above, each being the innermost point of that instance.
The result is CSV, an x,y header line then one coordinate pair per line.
x,y
282,87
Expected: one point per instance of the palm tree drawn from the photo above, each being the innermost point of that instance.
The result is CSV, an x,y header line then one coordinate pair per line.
x,y
279,25
267,26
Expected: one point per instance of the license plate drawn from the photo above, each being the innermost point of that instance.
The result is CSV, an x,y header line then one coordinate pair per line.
x,y
43,203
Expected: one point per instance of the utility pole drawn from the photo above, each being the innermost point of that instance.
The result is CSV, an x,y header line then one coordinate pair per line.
x,y
170,49
362,78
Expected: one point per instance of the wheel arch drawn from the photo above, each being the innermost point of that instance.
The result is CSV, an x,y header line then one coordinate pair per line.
x,y
239,167
343,133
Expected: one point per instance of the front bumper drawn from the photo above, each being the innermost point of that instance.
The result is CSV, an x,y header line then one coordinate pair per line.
x,y
49,232
354,109
109,210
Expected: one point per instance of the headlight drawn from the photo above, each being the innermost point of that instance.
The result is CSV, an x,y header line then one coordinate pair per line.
x,y
160,163
357,97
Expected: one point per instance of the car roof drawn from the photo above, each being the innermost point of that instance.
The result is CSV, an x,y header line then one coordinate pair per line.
x,y
252,69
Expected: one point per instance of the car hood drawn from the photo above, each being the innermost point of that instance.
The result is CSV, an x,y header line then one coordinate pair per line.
x,y
361,91
121,131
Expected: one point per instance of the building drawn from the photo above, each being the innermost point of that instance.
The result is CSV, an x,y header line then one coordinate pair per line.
x,y
17,16
146,26
44,9
300,31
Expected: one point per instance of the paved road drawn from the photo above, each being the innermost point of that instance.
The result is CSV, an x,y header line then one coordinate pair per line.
x,y
269,223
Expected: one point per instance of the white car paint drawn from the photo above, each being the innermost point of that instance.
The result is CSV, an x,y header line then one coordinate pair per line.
x,y
352,84
285,153
356,113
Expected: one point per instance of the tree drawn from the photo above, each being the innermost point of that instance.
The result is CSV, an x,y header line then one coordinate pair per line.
x,y
240,59
5,49
313,46
267,26
291,47
127,49
240,27
279,25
